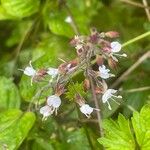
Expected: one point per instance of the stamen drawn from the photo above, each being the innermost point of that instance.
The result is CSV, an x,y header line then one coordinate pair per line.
x,y
115,101
21,70
109,106
30,63
96,109
121,55
112,75
119,96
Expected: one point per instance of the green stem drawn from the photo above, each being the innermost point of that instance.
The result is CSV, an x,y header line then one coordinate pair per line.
x,y
136,39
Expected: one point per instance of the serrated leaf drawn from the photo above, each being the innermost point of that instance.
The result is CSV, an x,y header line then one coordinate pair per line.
x,y
74,89
20,8
118,135
9,95
141,125
14,127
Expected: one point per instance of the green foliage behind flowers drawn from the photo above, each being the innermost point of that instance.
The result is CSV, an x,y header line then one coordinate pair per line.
x,y
18,8
9,94
14,127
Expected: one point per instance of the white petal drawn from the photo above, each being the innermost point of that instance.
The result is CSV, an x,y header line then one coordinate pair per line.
x,y
104,73
108,94
53,72
29,71
86,109
45,111
79,46
54,101
68,19
115,46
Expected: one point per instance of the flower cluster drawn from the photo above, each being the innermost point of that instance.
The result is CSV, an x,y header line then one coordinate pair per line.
x,y
97,48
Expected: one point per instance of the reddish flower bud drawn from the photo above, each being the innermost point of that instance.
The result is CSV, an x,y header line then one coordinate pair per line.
x,y
112,64
79,100
98,90
99,60
59,89
112,34
106,49
86,84
62,68
42,72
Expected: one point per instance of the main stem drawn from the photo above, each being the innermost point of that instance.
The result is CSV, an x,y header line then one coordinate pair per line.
x,y
97,107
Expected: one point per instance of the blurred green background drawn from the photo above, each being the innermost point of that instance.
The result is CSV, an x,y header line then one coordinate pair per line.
x,y
36,30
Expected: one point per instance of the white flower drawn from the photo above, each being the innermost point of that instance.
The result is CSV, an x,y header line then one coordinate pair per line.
x,y
45,111
104,73
109,94
54,102
68,19
53,72
116,47
29,71
87,110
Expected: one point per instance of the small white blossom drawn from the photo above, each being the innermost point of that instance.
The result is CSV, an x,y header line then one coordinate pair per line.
x,y
116,47
87,110
104,72
29,71
45,111
68,19
54,102
109,94
53,72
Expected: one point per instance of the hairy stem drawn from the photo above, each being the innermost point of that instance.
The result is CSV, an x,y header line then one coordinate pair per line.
x,y
97,107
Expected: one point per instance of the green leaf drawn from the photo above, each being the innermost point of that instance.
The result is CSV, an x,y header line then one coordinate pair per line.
x,y
20,8
82,12
3,14
14,127
141,125
9,95
118,135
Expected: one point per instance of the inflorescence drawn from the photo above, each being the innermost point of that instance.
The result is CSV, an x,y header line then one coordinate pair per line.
x,y
99,48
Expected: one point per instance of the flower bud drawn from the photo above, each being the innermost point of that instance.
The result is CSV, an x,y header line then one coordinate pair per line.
x,y
99,60
86,84
112,64
98,90
41,72
112,34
